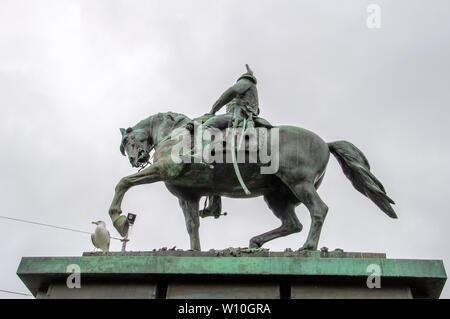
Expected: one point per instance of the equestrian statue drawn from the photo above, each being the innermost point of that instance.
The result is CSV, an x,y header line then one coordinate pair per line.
x,y
301,159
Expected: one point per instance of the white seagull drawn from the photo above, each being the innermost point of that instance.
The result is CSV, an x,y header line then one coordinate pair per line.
x,y
100,238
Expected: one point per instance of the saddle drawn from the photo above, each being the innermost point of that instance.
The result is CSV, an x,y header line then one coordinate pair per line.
x,y
242,143
259,121
245,141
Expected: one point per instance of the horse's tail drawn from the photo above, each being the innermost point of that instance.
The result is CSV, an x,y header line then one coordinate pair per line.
x,y
357,169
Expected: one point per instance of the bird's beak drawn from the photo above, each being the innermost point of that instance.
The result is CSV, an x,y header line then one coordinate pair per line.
x,y
95,223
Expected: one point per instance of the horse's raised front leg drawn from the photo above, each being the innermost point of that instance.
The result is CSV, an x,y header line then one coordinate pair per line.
x,y
190,211
149,175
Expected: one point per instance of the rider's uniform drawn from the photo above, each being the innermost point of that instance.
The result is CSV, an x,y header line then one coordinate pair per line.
x,y
242,103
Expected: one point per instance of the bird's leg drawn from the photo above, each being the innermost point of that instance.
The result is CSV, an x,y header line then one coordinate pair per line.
x,y
149,175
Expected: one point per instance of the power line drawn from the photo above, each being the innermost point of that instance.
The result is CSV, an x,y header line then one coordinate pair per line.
x,y
15,293
42,224
48,225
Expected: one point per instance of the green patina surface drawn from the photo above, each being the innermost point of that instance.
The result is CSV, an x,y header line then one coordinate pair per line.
x,y
429,274
232,266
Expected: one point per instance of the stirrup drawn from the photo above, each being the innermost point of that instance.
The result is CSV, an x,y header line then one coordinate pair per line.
x,y
207,212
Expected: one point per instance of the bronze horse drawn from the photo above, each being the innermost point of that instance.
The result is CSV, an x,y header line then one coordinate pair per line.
x,y
303,158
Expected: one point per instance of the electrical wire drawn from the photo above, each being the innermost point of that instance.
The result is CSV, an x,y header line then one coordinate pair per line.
x,y
15,293
49,225
46,225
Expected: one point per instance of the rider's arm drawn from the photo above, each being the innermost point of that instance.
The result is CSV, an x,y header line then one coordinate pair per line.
x,y
240,87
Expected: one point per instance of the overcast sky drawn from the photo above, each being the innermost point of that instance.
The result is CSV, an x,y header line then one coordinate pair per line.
x,y
73,72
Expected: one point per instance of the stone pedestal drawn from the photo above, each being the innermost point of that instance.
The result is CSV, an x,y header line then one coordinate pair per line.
x,y
232,274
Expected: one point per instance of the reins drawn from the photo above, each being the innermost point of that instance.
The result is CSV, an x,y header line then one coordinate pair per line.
x,y
144,165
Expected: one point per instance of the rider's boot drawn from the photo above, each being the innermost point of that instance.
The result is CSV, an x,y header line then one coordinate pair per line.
x,y
214,207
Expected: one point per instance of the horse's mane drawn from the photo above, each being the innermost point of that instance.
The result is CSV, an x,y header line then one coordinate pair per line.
x,y
174,117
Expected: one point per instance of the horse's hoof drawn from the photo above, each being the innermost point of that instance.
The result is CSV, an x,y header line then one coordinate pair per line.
x,y
254,244
307,247
122,225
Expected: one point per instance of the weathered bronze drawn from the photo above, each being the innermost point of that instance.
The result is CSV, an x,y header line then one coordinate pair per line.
x,y
303,157
242,110
241,100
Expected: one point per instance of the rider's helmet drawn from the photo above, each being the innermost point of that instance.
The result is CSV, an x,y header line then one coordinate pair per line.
x,y
248,75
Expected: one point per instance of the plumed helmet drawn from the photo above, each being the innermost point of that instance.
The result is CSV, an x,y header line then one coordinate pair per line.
x,y
248,75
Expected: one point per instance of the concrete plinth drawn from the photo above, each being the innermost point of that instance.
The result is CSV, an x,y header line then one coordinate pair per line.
x,y
232,274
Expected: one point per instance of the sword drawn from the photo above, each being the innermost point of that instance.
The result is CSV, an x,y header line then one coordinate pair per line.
x,y
233,157
249,120
242,134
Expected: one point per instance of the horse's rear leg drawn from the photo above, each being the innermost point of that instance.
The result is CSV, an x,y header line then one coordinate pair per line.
x,y
284,208
190,211
307,194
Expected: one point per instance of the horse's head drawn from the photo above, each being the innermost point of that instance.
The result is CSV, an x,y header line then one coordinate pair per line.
x,y
137,144
138,141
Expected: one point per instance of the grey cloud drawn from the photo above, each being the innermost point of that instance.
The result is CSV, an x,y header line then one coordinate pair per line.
x,y
73,72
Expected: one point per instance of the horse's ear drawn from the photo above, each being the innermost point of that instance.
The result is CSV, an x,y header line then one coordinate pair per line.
x,y
122,131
